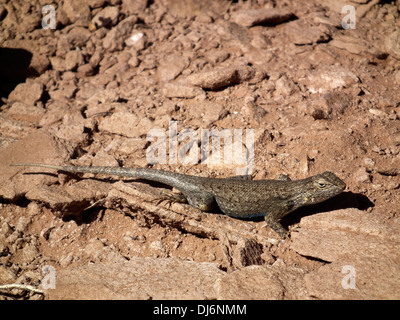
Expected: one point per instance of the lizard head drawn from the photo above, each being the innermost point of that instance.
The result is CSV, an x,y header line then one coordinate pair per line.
x,y
324,186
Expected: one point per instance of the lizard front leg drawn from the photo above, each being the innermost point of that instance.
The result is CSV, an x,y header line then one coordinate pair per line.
x,y
278,212
275,225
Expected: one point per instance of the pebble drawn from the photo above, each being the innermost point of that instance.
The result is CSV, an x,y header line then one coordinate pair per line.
x,y
5,229
23,223
106,18
393,44
28,92
369,162
172,90
252,17
361,175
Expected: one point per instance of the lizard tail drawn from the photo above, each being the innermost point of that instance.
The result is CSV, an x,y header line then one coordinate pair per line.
x,y
169,178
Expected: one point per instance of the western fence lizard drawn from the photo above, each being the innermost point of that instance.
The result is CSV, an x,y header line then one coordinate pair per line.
x,y
237,198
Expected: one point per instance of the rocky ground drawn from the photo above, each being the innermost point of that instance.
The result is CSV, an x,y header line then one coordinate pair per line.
x,y
318,97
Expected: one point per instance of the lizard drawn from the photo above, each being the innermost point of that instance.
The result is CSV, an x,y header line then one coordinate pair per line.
x,y
238,198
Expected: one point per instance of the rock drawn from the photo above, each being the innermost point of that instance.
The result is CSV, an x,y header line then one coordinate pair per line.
x,y
361,175
86,70
139,278
38,147
251,17
77,12
378,113
137,40
350,237
134,61
176,90
284,86
172,67
6,275
392,44
106,18
40,63
122,123
252,111
5,229
224,77
337,102
69,200
57,63
248,252
130,7
64,92
355,45
254,282
115,38
333,281
215,79
76,38
251,74
25,112
206,111
217,56
329,78
29,253
302,32
29,92
23,224
73,60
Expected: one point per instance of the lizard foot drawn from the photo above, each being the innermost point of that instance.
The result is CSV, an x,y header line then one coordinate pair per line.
x,y
170,198
277,227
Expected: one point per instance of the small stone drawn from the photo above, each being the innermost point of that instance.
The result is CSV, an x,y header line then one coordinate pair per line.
x,y
122,123
29,92
57,63
73,59
23,223
248,252
6,275
86,70
248,18
215,79
393,44
114,40
172,67
396,140
369,162
77,11
284,86
25,112
106,18
378,113
361,175
5,229
301,32
29,253
137,40
172,90
134,61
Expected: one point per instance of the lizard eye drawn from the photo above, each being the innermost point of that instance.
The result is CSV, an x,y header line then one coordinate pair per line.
x,y
321,185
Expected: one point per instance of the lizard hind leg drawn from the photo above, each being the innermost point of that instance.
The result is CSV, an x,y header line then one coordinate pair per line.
x,y
170,198
203,201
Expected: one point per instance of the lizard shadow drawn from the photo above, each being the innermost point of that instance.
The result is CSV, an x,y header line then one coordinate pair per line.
x,y
344,200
